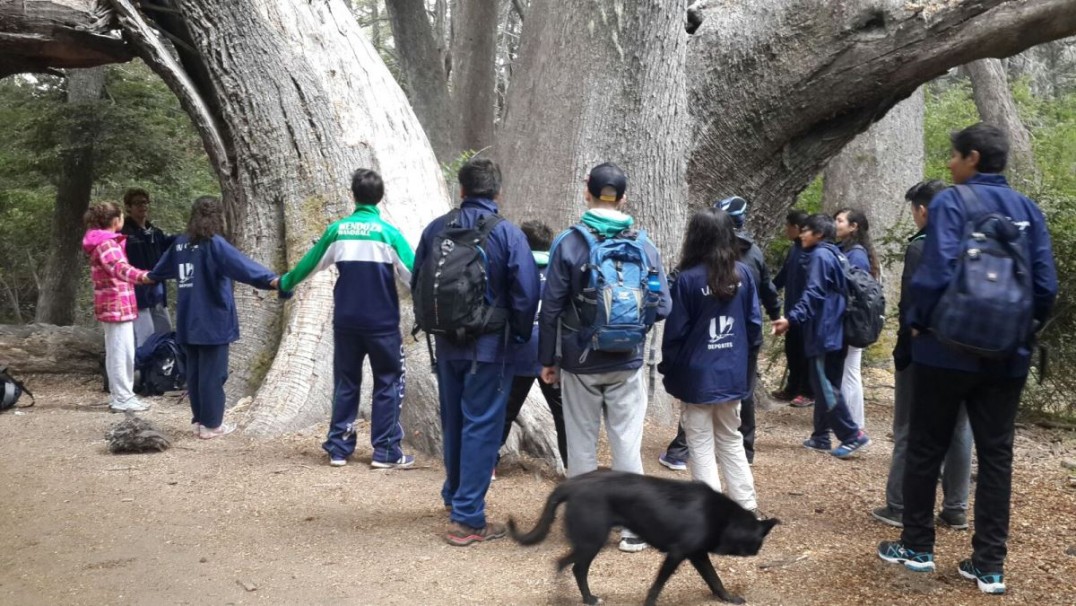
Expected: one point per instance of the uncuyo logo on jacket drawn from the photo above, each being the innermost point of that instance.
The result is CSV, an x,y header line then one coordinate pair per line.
x,y
721,332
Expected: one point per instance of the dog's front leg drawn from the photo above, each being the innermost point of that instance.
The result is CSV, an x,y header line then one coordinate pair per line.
x,y
701,562
668,567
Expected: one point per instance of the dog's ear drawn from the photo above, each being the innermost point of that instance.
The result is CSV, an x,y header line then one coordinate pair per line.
x,y
767,525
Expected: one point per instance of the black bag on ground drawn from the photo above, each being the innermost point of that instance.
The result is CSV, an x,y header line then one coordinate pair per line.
x,y
11,389
159,365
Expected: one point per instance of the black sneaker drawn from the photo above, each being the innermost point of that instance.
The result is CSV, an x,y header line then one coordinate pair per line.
x,y
888,515
957,520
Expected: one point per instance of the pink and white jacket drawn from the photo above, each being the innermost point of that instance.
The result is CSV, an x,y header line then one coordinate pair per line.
x,y
113,277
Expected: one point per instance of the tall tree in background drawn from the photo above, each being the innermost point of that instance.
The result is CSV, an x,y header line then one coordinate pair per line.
x,y
422,66
473,79
56,297
993,99
872,173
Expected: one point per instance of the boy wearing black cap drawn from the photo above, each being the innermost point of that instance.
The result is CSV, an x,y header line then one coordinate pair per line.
x,y
593,381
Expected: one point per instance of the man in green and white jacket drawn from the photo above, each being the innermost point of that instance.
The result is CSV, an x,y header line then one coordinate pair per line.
x,y
370,255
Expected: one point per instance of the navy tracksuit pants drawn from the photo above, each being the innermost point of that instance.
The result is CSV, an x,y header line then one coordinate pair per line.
x,y
206,367
474,397
830,409
387,362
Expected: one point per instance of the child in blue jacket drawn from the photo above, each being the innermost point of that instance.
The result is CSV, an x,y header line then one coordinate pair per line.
x,y
204,265
820,311
714,323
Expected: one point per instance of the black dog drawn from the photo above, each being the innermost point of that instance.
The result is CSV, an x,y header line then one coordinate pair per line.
x,y
685,520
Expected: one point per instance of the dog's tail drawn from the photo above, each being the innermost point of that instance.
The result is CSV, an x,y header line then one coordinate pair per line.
x,y
541,530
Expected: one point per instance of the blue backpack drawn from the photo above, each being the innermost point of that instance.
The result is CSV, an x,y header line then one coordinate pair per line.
x,y
988,308
616,307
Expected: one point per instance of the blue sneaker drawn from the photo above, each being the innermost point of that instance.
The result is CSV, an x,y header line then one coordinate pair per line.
x,y
672,462
848,449
989,582
816,444
895,552
403,462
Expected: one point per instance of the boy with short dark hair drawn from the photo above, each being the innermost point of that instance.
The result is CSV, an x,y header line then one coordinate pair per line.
x,y
945,377
540,238
956,473
820,311
146,243
474,376
797,389
371,255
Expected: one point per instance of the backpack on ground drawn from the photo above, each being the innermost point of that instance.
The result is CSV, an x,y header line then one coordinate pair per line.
x,y
450,295
616,307
864,311
159,365
988,308
11,389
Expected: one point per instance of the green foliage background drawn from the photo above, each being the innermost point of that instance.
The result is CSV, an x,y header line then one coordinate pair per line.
x,y
144,139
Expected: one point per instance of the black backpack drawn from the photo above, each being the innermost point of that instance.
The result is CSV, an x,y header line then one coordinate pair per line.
x,y
450,295
10,390
864,311
159,363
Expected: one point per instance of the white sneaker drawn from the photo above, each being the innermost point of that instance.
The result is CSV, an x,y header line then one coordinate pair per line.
x,y
208,434
132,405
631,544
196,428
337,462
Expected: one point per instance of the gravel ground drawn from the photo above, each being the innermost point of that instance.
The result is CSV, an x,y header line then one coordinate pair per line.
x,y
238,521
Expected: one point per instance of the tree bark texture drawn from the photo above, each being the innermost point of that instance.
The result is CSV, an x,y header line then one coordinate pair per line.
x,y
43,35
798,80
50,349
872,173
473,79
56,300
297,117
993,99
423,66
594,86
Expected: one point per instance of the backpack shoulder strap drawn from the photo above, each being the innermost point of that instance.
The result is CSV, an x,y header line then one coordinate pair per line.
x,y
973,206
588,235
486,225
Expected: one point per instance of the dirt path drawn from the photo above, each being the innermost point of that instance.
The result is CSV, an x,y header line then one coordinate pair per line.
x,y
235,521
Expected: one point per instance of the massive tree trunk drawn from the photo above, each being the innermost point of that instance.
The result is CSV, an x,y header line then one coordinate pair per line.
x,y
993,98
872,173
56,300
289,99
592,86
298,99
423,66
474,81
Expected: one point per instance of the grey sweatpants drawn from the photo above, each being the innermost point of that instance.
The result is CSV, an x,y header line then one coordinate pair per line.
x,y
621,396
956,471
151,321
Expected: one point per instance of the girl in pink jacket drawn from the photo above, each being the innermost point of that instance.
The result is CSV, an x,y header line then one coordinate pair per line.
x,y
114,299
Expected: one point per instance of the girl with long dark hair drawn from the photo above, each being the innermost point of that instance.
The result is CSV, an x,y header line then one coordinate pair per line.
x,y
853,233
204,264
715,320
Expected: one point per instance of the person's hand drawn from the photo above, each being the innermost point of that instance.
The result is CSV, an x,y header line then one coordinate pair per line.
x,y
275,283
780,326
550,375
915,332
146,280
